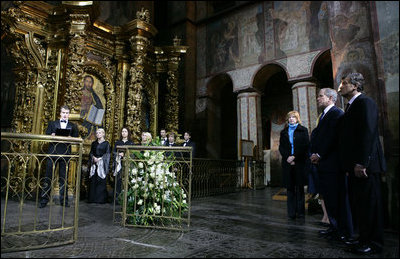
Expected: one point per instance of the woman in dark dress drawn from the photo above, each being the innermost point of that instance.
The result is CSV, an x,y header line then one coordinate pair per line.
x,y
124,140
99,160
293,145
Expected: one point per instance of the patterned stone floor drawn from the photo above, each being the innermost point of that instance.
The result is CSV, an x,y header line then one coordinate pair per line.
x,y
246,224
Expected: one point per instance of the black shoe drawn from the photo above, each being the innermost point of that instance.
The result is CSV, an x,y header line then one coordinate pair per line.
x,y
323,224
42,205
327,232
350,242
363,250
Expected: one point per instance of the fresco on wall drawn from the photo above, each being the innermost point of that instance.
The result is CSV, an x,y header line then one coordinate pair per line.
x,y
297,27
319,34
222,45
349,23
291,27
251,39
269,31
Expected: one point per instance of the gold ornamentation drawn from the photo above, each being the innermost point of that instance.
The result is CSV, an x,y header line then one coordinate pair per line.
x,y
143,15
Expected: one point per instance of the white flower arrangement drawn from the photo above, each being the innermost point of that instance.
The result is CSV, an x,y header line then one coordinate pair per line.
x,y
153,190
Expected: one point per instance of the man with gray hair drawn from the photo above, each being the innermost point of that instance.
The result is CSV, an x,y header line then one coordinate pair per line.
x,y
361,157
332,183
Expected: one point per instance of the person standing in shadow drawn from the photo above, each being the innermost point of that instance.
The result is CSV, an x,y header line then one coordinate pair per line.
x,y
294,146
188,143
57,148
163,138
124,140
361,157
332,183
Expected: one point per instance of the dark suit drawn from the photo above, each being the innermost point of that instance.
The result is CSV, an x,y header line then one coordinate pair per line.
x,y
168,154
294,177
192,144
59,149
359,144
165,141
332,183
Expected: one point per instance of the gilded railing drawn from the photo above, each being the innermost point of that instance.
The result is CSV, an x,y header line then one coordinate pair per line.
x,y
257,175
24,182
213,177
156,187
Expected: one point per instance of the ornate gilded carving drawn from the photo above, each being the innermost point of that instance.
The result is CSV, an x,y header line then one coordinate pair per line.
x,y
74,75
134,100
54,47
118,102
143,15
172,105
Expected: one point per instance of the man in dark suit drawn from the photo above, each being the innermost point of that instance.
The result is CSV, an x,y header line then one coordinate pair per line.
x,y
332,183
361,156
171,143
163,138
189,143
58,148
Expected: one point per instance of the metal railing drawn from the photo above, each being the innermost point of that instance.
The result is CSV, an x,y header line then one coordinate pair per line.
x,y
257,175
156,190
213,177
24,161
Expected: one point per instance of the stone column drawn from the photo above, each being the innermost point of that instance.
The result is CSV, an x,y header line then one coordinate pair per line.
x,y
249,119
305,102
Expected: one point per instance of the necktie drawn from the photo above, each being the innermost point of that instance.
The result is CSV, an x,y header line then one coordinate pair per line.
x,y
347,107
63,121
320,117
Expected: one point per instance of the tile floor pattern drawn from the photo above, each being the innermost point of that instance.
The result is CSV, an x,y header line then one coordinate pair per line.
x,y
247,224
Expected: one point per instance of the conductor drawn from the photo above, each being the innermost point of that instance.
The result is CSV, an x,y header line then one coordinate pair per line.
x,y
61,127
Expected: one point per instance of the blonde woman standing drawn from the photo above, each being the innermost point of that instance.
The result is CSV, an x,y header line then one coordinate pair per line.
x,y
293,145
99,160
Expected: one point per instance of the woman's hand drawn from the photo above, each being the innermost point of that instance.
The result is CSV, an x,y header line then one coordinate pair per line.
x,y
290,160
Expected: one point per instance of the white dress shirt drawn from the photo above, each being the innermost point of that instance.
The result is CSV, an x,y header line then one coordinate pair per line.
x,y
64,124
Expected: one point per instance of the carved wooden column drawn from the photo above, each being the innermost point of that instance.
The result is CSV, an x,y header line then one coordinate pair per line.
x,y
140,33
23,34
139,46
305,102
172,104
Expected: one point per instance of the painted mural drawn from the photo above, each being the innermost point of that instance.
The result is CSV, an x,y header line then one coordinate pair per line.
x,y
251,36
298,26
222,45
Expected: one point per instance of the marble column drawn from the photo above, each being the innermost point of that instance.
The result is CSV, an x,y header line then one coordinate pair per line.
x,y
305,102
249,120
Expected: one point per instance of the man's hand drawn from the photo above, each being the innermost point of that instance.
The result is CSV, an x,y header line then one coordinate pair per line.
x,y
360,171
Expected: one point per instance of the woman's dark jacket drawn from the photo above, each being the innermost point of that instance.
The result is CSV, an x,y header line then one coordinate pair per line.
x,y
301,143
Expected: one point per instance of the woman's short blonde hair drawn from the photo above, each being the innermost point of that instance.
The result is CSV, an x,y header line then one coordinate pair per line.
x,y
102,130
295,114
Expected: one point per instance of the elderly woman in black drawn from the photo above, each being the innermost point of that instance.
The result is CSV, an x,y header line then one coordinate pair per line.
x,y
293,145
99,159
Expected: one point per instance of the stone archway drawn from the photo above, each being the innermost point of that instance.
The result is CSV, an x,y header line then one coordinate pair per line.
x,y
221,118
276,101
